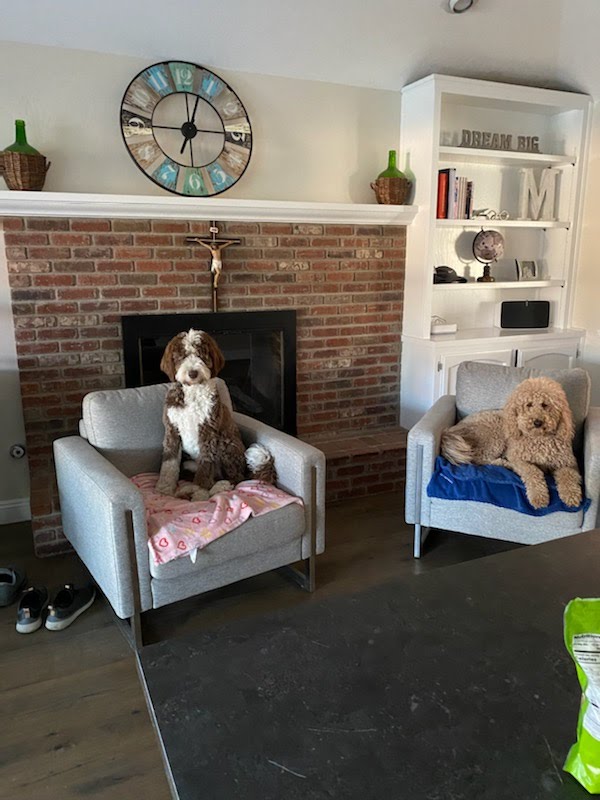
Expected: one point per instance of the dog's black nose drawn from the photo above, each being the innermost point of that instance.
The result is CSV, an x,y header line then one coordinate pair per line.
x,y
193,373
538,423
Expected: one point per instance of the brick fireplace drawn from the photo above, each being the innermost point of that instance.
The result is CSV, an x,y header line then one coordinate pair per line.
x,y
72,280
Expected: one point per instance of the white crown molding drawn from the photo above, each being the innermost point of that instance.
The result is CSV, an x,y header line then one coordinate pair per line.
x,y
15,510
119,206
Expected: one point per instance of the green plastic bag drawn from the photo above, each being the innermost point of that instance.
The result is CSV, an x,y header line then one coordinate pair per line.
x,y
582,638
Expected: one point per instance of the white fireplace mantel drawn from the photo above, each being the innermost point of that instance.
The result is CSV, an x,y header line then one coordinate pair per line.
x,y
118,206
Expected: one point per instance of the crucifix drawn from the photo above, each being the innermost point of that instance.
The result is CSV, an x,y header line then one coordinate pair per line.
x,y
215,244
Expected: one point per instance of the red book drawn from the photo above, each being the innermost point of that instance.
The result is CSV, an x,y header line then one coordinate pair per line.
x,y
442,197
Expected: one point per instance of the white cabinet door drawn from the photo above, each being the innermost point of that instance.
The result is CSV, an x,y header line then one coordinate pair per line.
x,y
557,355
448,366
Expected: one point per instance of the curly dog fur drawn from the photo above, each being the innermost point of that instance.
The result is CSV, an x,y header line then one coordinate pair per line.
x,y
531,435
200,432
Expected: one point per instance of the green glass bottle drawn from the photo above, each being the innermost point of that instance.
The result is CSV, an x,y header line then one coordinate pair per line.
x,y
392,170
20,144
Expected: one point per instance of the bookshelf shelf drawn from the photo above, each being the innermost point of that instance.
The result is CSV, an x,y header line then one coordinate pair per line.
x,y
503,157
474,285
482,222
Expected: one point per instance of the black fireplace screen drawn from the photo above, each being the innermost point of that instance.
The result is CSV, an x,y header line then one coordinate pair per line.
x,y
259,349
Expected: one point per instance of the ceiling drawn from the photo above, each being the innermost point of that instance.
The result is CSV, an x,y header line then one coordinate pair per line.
x,y
380,43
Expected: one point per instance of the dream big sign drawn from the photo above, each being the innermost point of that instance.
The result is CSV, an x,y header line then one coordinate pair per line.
x,y
499,141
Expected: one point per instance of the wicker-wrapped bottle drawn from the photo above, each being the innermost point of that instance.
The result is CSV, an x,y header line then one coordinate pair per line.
x,y
22,166
391,186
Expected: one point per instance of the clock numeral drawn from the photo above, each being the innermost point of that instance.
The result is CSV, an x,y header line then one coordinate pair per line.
x,y
167,173
141,99
219,178
135,125
194,183
145,153
234,160
211,85
183,76
158,78
239,139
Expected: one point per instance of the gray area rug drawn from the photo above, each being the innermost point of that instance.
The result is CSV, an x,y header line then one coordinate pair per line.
x,y
450,685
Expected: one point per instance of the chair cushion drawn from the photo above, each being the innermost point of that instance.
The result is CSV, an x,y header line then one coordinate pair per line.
x,y
253,536
480,387
126,426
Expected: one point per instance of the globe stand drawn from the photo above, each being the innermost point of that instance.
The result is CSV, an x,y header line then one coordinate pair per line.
x,y
487,277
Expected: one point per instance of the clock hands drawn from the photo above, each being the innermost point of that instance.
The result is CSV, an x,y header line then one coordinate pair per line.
x,y
195,108
188,129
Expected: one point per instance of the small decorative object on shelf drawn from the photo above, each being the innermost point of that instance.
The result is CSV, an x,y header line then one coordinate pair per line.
x,y
488,246
489,213
444,274
22,166
485,140
526,270
538,201
391,186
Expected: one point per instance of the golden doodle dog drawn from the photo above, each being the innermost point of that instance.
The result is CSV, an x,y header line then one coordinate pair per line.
x,y
200,432
532,435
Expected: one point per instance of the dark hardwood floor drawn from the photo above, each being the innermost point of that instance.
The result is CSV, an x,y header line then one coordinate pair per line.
x,y
75,724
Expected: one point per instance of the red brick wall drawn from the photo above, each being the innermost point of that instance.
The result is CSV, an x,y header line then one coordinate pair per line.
x,y
71,280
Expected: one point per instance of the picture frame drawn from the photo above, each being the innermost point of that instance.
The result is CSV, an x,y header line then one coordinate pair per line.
x,y
527,269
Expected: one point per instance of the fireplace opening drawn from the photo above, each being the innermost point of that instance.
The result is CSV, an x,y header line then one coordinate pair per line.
x,y
259,349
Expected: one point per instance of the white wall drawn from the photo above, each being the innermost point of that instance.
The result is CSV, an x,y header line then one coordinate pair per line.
x,y
312,140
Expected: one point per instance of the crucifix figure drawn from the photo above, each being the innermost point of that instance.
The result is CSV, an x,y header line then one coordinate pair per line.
x,y
215,244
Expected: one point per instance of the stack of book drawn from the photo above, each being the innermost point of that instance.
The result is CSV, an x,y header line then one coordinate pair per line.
x,y
455,196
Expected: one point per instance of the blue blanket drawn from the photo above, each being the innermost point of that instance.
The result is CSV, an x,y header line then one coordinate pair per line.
x,y
496,485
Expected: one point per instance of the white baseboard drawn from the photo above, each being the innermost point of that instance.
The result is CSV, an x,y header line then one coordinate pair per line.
x,y
16,510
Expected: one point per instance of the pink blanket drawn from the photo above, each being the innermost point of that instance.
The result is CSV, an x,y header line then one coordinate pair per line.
x,y
180,527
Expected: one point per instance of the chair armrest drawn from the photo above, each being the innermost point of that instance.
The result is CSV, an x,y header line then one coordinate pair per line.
x,y
294,462
423,446
591,465
94,499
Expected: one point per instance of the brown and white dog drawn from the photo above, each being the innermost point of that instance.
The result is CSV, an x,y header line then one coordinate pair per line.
x,y
200,431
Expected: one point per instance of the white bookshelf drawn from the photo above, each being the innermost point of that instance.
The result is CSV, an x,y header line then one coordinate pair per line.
x,y
434,112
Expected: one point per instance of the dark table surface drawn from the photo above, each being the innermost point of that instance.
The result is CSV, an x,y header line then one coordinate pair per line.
x,y
449,685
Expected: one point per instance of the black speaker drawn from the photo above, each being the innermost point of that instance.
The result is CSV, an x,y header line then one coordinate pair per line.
x,y
525,314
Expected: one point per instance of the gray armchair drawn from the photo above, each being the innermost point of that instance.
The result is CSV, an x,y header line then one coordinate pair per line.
x,y
487,386
104,519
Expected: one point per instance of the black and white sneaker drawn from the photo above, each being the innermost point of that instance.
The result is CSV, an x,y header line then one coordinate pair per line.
x,y
31,608
12,582
68,603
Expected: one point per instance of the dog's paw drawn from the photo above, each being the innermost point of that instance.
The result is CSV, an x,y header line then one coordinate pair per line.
x,y
570,495
221,486
165,487
185,491
199,495
539,497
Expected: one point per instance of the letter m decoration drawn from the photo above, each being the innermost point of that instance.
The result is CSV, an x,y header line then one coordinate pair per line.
x,y
538,201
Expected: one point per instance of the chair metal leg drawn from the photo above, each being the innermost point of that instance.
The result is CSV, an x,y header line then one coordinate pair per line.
x,y
417,542
306,578
134,632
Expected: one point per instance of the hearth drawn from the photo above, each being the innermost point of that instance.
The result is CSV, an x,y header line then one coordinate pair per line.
x,y
259,349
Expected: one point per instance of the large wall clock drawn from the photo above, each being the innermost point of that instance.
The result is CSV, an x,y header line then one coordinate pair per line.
x,y
186,128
